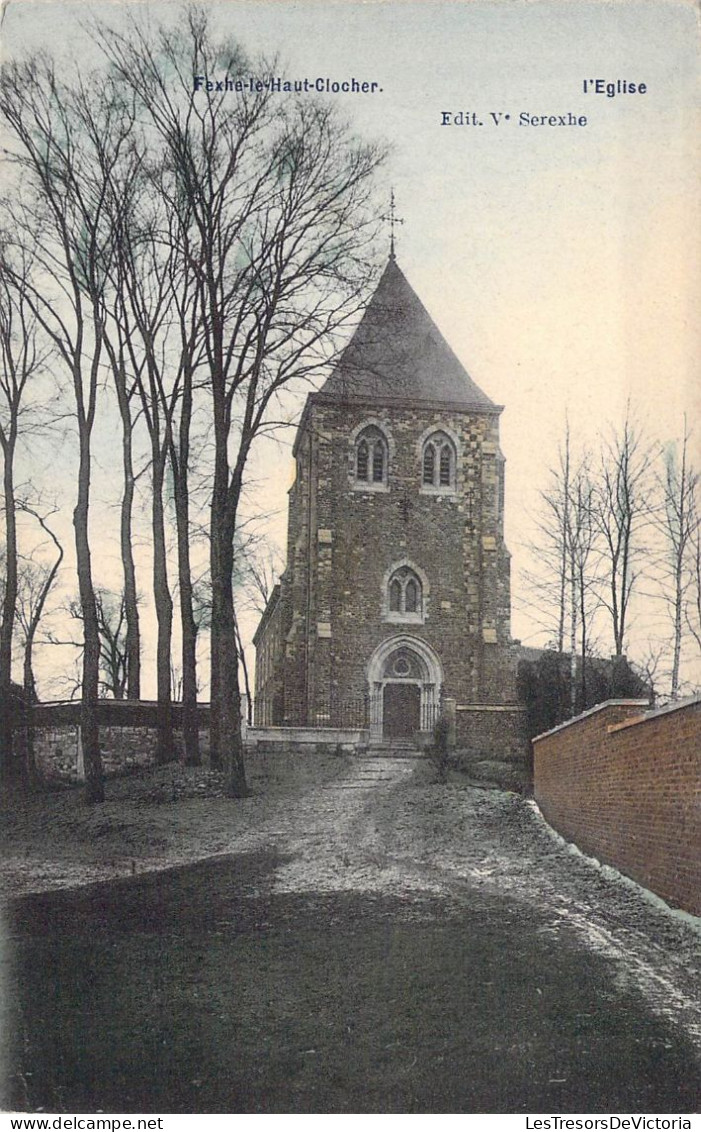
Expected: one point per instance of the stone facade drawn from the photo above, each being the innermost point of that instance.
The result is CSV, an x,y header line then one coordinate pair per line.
x,y
396,593
270,651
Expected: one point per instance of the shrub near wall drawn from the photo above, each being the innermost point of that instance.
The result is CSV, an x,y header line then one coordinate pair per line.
x,y
626,787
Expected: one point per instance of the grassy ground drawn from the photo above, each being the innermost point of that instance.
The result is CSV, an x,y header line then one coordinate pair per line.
x,y
197,991
153,820
352,938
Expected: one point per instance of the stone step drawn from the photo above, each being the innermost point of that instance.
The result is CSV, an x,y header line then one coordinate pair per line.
x,y
393,753
397,744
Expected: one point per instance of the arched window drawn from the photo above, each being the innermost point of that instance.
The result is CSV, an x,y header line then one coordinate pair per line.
x,y
438,464
429,462
445,471
371,456
411,597
378,461
405,594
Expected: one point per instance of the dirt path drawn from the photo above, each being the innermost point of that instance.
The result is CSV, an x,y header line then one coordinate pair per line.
x,y
347,839
372,825
376,831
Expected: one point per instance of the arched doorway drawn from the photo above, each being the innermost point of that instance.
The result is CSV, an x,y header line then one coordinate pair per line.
x,y
401,710
404,684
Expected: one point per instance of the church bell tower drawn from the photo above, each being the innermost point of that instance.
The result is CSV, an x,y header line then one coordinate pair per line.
x,y
395,600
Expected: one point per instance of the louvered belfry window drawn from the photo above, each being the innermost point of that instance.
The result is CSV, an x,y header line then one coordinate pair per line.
x,y
446,466
429,462
378,462
395,596
371,456
438,464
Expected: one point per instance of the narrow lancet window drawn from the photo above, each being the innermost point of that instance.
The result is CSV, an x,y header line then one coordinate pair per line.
x,y
411,597
378,462
438,462
429,463
446,466
371,457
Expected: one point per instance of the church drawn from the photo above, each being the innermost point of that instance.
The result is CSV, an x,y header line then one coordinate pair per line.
x,y
394,605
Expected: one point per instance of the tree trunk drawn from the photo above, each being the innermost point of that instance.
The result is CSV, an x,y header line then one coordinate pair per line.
x,y
583,623
244,669
564,535
226,698
131,608
89,731
164,614
180,464
215,756
218,508
29,699
678,610
573,640
189,632
8,611
28,667
615,617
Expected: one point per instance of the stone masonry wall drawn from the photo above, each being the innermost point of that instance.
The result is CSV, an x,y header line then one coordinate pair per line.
x,y
343,539
492,746
626,788
123,749
498,733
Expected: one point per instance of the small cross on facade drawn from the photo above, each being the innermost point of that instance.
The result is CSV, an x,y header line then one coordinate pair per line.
x,y
392,219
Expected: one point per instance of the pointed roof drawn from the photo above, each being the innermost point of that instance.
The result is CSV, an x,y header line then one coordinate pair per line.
x,y
398,354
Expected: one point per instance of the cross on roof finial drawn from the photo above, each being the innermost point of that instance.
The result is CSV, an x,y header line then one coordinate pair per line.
x,y
392,219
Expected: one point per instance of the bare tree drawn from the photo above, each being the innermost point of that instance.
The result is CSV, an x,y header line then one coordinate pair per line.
x,y
548,584
21,359
693,605
36,581
112,628
147,289
257,566
677,521
650,667
112,621
241,653
263,567
159,314
581,545
279,200
563,585
63,149
620,510
127,401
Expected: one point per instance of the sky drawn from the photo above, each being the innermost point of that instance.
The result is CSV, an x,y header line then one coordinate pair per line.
x,y
561,263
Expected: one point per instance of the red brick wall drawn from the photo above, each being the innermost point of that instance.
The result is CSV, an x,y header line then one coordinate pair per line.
x,y
627,790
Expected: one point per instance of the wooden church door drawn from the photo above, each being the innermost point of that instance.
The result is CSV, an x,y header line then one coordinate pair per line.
x,y
401,714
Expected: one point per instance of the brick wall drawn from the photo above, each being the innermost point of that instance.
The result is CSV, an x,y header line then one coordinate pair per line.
x,y
626,787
